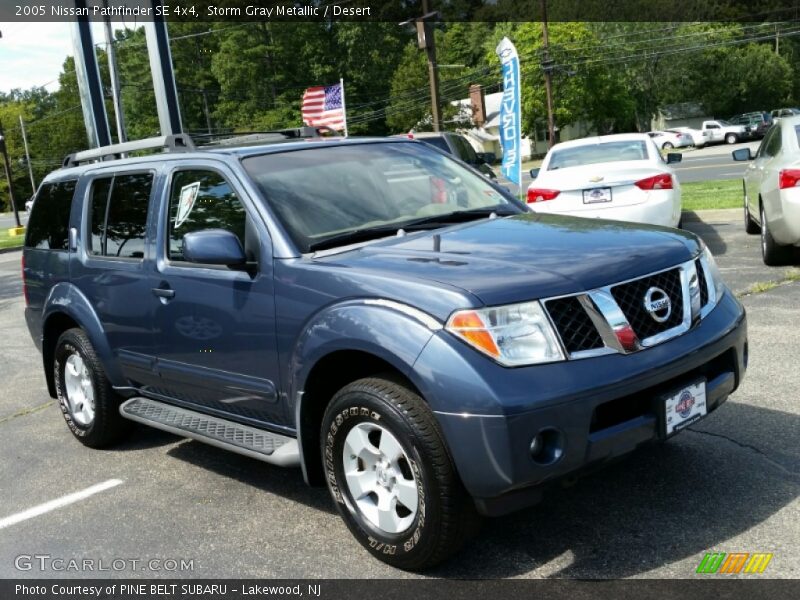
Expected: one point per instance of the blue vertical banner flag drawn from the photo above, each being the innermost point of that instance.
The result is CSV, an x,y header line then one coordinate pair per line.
x,y
510,113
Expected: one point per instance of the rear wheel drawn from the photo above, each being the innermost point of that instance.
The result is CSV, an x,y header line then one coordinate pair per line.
x,y
731,138
773,253
392,477
88,402
667,146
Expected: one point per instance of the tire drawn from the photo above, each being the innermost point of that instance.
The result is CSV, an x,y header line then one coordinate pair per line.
x,y
731,138
364,424
667,146
750,226
88,402
773,254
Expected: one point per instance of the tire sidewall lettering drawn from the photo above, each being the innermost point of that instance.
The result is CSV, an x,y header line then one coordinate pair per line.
x,y
63,351
376,545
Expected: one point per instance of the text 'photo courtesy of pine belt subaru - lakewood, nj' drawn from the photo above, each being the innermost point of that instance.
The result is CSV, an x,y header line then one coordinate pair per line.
x,y
374,312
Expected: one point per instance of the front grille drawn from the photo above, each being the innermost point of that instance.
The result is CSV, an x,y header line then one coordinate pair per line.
x,y
630,297
573,324
701,281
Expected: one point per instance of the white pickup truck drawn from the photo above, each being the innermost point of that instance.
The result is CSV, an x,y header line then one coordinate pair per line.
x,y
721,131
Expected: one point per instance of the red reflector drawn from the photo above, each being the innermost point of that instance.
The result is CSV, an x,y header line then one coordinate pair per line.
x,y
656,182
541,194
788,178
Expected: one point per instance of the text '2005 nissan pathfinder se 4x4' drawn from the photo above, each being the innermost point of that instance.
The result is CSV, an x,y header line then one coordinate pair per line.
x,y
375,312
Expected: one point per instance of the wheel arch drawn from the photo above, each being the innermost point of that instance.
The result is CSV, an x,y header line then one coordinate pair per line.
x,y
346,342
66,307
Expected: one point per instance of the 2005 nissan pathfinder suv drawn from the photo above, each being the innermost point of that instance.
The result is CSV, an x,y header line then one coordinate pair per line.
x,y
375,312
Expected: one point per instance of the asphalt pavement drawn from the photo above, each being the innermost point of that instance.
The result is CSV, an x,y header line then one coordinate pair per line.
x,y
729,484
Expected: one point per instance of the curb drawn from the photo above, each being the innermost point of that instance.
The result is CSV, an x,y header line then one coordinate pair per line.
x,y
12,249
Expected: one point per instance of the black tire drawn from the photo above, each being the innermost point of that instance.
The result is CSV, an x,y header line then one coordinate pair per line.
x,y
750,226
773,254
445,517
667,146
107,426
731,138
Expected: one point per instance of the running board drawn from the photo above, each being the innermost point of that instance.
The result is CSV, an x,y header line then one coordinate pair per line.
x,y
256,443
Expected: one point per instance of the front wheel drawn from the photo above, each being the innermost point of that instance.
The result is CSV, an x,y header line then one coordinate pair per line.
x,y
391,475
750,226
731,138
88,402
772,253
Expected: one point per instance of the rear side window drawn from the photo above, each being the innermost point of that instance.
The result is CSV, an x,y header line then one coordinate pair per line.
x,y
797,133
202,199
118,215
437,142
48,226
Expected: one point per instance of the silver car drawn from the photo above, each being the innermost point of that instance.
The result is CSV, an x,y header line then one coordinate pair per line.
x,y
772,191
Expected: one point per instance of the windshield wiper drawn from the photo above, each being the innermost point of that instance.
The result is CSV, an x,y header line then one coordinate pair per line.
x,y
431,222
459,216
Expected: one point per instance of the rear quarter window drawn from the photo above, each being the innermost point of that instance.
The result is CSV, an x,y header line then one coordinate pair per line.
x,y
48,225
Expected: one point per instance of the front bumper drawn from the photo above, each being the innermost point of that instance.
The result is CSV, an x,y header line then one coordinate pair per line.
x,y
599,408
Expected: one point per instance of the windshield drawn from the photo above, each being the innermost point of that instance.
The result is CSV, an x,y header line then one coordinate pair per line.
x,y
329,192
577,156
723,123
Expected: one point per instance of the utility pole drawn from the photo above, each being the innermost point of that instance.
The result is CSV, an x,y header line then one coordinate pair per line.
x,y
426,40
7,166
114,76
777,40
27,153
205,111
547,67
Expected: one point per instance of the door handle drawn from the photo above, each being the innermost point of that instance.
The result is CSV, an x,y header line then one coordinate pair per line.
x,y
164,292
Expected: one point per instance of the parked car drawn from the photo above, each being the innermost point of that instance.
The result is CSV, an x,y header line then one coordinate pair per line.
x,y
669,139
619,176
784,112
373,312
721,131
758,122
699,138
457,145
772,191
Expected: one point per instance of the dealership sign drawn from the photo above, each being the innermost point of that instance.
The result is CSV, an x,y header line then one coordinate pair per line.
x,y
510,127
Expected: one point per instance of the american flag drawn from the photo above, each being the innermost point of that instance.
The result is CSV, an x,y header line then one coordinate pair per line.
x,y
322,105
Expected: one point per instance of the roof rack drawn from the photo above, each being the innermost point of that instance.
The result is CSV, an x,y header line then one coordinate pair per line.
x,y
235,138
170,143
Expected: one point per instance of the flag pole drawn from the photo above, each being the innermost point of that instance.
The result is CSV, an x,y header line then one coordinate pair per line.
x,y
344,110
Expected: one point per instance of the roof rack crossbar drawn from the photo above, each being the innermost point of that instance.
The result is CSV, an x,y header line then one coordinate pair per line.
x,y
171,143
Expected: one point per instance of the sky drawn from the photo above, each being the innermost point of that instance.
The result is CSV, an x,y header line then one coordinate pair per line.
x,y
32,54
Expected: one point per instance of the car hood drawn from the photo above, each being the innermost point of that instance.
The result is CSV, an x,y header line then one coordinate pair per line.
x,y
598,175
526,256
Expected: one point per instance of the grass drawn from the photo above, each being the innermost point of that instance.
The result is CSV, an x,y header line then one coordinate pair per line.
x,y
789,276
703,195
6,241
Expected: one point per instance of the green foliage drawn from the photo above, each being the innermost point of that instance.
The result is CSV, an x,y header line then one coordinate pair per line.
x,y
251,76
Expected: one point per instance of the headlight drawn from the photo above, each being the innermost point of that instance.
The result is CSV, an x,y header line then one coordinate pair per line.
x,y
712,273
517,334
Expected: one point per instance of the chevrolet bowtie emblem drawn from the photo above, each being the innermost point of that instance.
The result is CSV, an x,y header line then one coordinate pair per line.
x,y
596,178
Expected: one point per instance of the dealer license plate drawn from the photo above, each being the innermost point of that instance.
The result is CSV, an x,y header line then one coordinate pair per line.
x,y
684,407
596,195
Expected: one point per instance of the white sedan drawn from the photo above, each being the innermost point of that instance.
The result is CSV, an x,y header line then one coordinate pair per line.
x,y
620,177
699,138
669,139
772,191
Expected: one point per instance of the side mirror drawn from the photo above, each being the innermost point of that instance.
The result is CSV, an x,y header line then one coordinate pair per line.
x,y
488,157
214,247
535,172
742,154
674,157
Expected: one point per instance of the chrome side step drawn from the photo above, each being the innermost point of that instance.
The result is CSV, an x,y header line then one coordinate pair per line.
x,y
256,443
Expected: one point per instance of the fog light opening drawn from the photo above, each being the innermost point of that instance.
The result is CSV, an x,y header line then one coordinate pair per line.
x,y
547,446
